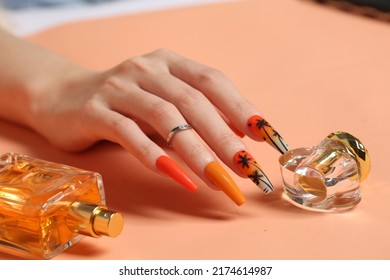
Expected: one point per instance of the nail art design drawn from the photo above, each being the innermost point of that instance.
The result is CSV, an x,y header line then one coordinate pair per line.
x,y
249,167
265,132
170,168
216,174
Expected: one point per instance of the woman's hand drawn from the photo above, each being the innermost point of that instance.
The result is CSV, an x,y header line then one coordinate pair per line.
x,y
154,93
158,92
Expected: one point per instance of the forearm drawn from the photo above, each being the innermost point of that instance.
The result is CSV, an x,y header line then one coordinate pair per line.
x,y
28,74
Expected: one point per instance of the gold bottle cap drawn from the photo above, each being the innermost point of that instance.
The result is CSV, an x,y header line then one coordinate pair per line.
x,y
106,222
357,150
96,220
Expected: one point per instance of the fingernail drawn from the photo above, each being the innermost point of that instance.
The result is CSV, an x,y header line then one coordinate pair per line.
x,y
265,132
250,168
216,174
170,168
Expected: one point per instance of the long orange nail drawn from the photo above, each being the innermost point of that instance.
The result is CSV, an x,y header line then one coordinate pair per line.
x,y
250,168
173,170
265,132
215,172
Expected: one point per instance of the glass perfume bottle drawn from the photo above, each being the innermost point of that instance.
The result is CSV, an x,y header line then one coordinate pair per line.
x,y
47,207
326,178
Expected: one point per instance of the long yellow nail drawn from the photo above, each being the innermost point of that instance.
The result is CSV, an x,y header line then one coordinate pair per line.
x,y
216,174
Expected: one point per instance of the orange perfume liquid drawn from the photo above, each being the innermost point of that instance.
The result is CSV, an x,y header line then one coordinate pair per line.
x,y
46,207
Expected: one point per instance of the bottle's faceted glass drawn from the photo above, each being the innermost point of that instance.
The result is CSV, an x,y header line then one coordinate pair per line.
x,y
326,177
46,207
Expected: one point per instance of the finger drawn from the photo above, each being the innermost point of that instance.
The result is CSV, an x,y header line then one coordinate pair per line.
x,y
211,127
238,132
224,95
122,130
163,117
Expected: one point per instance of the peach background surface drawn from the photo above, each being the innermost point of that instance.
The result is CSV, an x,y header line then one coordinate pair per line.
x,y
310,69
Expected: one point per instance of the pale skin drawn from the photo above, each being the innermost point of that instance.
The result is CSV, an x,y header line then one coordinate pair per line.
x,y
73,107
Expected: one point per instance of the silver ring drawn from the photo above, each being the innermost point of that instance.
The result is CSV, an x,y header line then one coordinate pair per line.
x,y
176,130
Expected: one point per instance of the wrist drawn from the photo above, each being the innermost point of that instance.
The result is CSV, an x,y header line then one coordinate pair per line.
x,y
44,95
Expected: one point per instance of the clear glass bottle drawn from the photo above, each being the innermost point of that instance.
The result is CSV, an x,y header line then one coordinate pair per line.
x,y
327,177
46,207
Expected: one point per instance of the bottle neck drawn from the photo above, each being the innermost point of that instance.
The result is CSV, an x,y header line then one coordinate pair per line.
x,y
96,220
